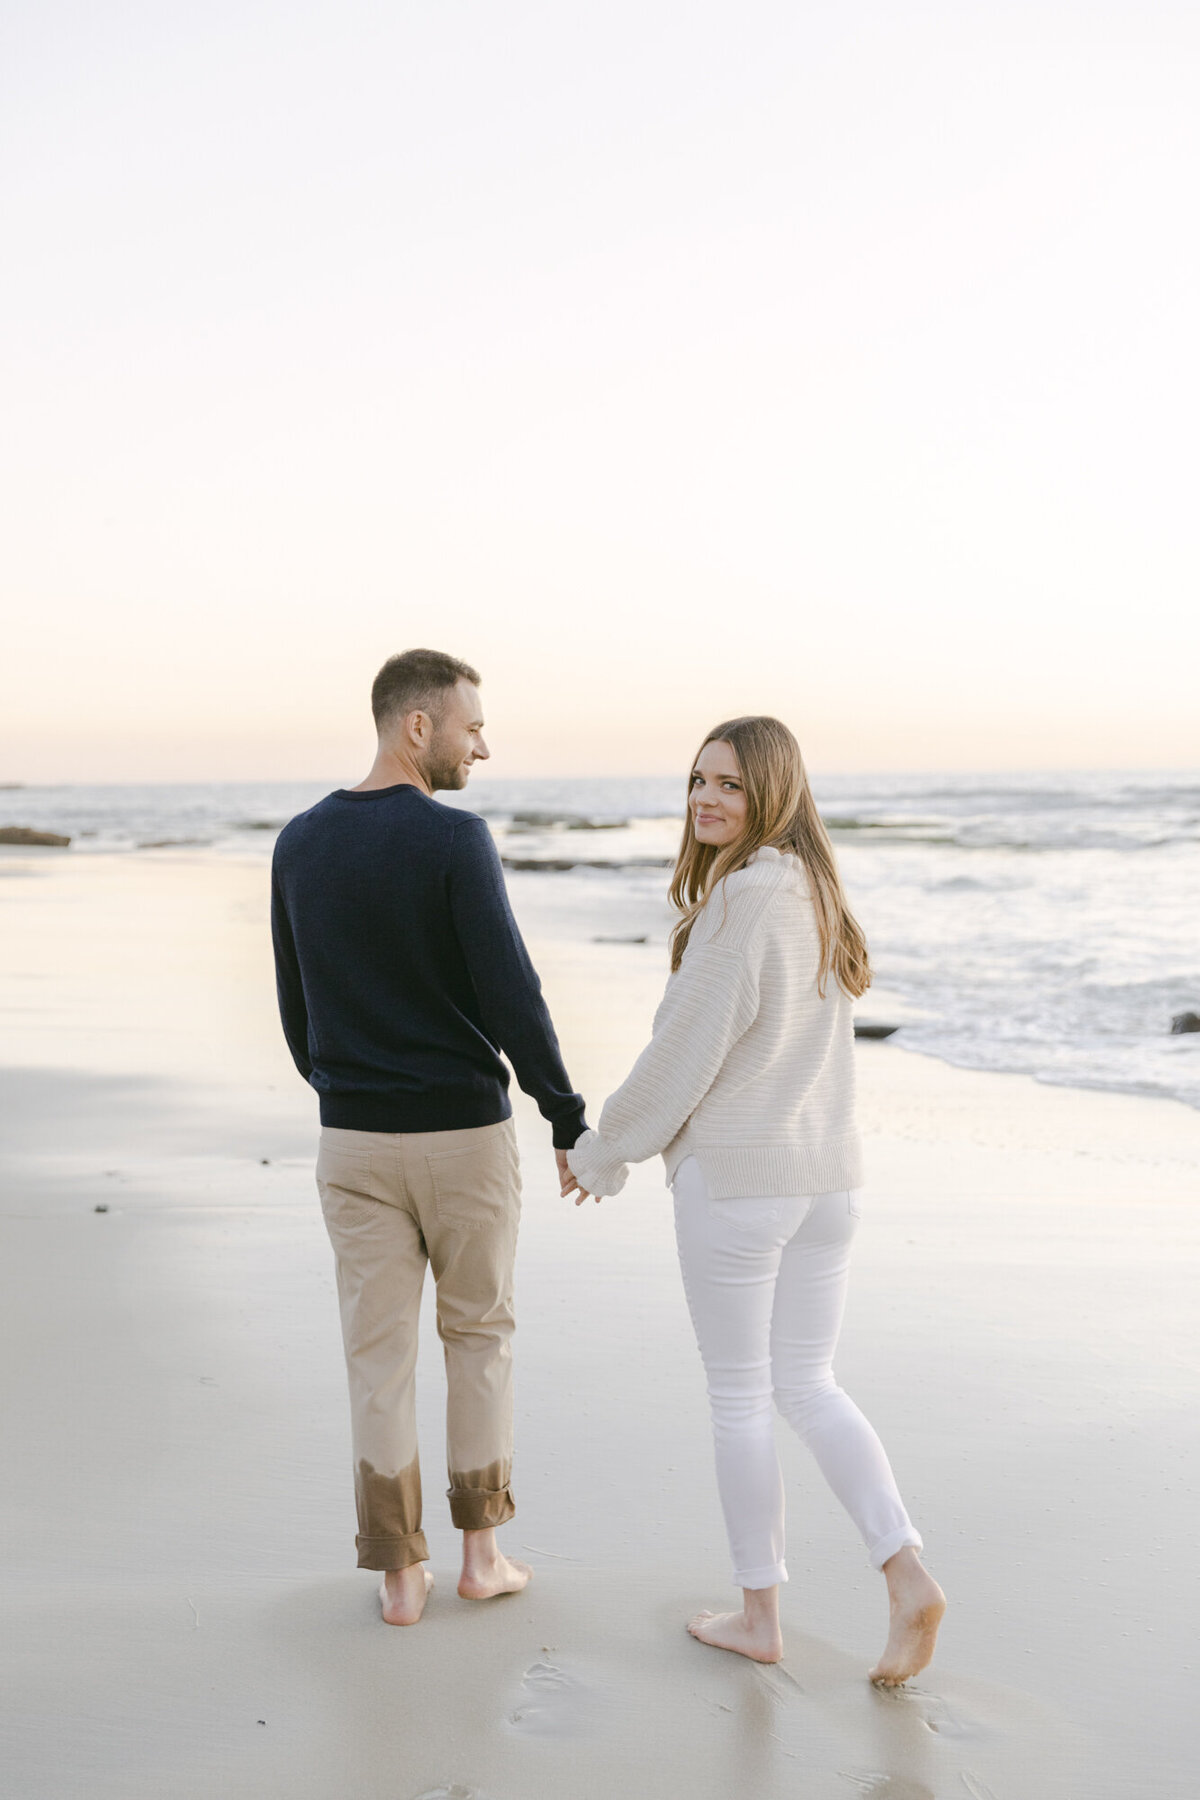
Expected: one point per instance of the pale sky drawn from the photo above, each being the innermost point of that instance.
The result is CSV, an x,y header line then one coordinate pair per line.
x,y
664,360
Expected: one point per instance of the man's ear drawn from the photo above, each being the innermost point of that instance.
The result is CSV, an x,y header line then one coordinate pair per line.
x,y
419,727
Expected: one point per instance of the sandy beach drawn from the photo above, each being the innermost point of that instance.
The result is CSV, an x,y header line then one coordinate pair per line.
x,y
184,1616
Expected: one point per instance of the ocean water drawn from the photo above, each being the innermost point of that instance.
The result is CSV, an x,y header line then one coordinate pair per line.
x,y
1048,924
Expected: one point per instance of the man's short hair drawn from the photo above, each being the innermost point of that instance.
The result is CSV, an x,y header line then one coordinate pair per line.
x,y
416,681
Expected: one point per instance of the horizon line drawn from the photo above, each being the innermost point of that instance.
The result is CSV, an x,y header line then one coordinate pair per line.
x,y
626,775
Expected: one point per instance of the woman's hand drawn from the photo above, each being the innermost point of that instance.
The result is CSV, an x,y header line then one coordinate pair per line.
x,y
567,1183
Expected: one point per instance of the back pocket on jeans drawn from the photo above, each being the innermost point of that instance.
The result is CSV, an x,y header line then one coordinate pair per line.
x,y
347,1170
747,1215
477,1184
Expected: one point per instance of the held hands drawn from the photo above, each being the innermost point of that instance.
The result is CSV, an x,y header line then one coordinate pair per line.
x,y
567,1183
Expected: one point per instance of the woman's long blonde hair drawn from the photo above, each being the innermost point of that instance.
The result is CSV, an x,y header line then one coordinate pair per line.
x,y
780,811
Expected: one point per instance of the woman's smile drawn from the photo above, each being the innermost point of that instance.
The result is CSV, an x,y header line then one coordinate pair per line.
x,y
718,797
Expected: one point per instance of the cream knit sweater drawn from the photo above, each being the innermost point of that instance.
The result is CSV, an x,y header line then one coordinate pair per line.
x,y
748,1069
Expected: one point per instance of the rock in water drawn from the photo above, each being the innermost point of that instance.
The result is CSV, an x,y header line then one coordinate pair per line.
x,y
547,866
22,834
1188,1021
863,1029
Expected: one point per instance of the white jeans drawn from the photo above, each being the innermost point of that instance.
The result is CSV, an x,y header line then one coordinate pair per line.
x,y
766,1284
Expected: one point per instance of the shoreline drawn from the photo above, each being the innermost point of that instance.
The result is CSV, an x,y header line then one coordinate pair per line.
x,y
541,910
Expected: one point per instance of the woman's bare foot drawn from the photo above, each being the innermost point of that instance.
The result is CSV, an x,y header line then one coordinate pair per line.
x,y
403,1593
753,1632
486,1571
917,1604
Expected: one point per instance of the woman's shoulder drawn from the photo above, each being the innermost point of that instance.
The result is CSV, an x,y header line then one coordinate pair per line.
x,y
768,871
769,868
743,902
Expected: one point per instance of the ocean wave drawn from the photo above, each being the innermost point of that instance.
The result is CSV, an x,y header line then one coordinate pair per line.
x,y
181,843
561,865
836,822
531,820
1146,1069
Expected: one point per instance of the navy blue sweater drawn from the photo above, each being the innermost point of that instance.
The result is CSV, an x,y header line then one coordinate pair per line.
x,y
401,972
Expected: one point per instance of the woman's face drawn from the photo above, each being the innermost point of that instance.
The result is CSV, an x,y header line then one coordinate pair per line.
x,y
717,798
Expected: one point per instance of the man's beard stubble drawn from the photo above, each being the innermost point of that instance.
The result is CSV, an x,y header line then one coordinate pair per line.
x,y
441,771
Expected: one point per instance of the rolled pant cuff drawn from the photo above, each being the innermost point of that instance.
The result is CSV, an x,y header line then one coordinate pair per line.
x,y
771,1576
900,1539
478,1509
392,1552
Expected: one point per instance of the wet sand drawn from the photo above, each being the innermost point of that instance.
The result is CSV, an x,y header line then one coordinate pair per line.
x,y
184,1616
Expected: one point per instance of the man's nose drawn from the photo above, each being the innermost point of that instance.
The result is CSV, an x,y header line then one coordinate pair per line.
x,y
481,750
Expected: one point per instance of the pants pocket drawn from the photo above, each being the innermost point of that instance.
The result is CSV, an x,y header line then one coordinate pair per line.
x,y
477,1184
746,1216
343,1167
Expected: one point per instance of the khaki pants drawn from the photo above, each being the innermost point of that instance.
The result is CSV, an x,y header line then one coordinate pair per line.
x,y
392,1202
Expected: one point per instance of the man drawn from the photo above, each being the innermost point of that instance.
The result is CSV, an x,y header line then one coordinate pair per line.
x,y
402,976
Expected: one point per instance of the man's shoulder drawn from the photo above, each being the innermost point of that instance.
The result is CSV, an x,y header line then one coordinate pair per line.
x,y
455,817
299,825
417,805
347,806
472,846
341,825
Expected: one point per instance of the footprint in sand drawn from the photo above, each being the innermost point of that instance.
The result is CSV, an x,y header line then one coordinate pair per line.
x,y
945,1722
978,1790
551,1703
888,1787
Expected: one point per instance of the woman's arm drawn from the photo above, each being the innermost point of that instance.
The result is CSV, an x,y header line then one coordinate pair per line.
x,y
710,1003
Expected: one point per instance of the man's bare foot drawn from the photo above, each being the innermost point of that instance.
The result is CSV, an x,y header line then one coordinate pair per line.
x,y
486,1571
403,1593
753,1632
503,1576
916,1603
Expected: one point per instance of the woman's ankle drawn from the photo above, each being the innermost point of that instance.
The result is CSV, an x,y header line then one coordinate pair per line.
x,y
902,1566
761,1605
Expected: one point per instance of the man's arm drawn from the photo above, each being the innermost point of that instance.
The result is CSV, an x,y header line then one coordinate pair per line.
x,y
292,1009
505,981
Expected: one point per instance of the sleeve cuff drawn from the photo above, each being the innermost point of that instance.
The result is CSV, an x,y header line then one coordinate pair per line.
x,y
566,1131
592,1169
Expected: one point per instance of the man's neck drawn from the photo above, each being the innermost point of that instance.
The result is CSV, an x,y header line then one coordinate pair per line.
x,y
391,769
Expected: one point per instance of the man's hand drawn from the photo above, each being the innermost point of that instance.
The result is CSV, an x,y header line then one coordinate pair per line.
x,y
567,1183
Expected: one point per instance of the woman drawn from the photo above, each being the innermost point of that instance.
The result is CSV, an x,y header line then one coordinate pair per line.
x,y
747,1090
